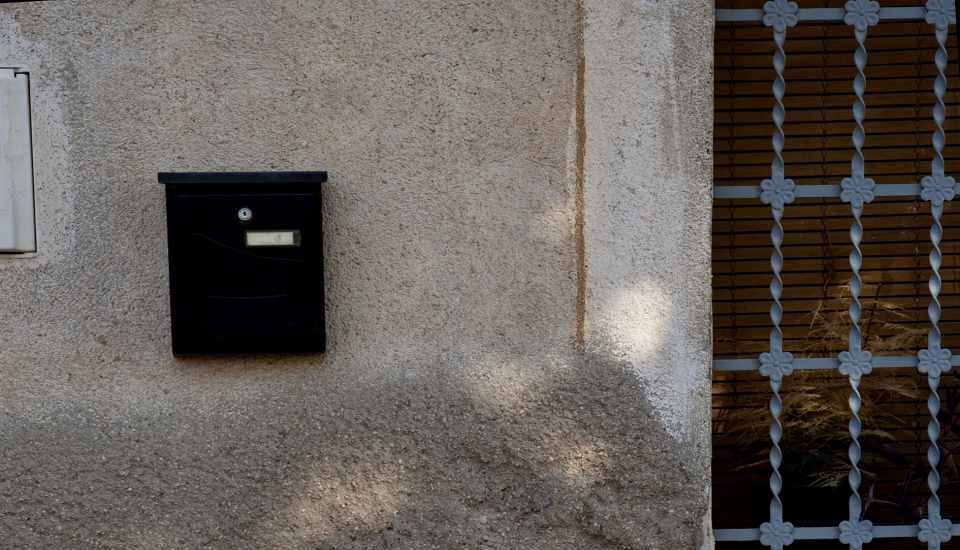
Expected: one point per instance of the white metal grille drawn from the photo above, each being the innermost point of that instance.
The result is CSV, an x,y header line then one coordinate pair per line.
x,y
856,189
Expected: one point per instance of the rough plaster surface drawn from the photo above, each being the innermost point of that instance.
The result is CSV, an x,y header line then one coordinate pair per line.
x,y
647,196
452,409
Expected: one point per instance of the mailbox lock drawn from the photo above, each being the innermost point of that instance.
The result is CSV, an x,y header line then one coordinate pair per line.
x,y
245,214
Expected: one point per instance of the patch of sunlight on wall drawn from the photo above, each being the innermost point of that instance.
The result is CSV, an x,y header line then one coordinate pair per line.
x,y
585,465
639,325
637,319
334,504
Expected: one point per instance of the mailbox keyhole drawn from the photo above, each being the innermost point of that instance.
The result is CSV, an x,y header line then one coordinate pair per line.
x,y
245,214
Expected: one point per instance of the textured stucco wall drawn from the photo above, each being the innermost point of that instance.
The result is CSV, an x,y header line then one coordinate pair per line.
x,y
453,408
647,197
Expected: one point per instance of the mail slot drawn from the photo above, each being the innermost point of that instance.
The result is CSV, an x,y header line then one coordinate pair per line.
x,y
246,261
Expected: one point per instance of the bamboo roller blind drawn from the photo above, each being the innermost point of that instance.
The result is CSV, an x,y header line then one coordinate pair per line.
x,y
819,96
818,125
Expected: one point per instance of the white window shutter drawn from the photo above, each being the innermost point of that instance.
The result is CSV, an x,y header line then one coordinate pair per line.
x,y
17,227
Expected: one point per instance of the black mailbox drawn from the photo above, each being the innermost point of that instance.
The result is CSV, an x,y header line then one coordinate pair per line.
x,y
246,261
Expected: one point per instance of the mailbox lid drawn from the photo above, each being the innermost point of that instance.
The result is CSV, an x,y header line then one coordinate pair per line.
x,y
241,178
229,296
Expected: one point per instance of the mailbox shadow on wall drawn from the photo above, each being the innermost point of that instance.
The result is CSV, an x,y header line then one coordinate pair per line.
x,y
246,261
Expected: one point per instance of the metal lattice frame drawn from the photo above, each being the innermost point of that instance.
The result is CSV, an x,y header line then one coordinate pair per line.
x,y
857,190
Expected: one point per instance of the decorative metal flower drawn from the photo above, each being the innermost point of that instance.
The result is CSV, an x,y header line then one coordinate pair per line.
x,y
857,190
935,529
777,191
856,533
855,364
938,189
780,14
776,534
941,13
934,361
861,13
776,364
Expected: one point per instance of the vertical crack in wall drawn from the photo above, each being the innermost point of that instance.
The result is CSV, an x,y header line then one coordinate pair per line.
x,y
581,156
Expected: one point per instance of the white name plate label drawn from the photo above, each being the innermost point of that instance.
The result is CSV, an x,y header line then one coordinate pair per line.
x,y
273,238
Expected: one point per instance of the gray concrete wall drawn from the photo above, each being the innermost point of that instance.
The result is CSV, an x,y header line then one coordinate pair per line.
x,y
455,407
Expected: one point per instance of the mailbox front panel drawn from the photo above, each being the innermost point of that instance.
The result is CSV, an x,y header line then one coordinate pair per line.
x,y
246,267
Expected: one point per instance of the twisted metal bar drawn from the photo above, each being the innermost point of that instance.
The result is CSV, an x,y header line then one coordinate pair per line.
x,y
939,90
776,281
937,188
857,190
776,364
934,310
776,454
861,14
934,361
855,363
856,261
779,110
776,533
933,451
777,191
